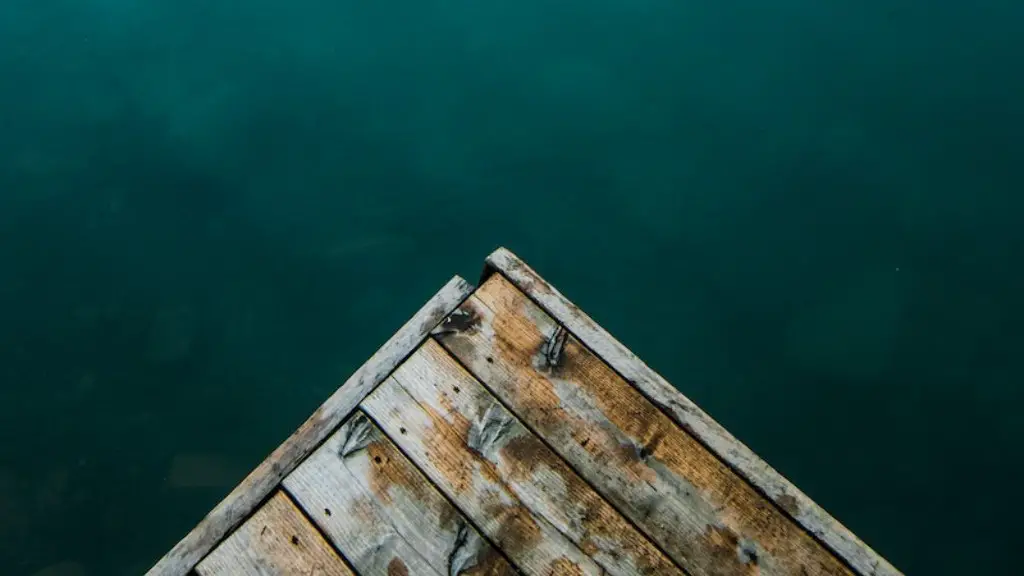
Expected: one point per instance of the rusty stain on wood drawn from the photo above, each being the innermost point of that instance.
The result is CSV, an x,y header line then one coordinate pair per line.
x,y
397,568
277,539
521,461
388,513
437,443
691,418
520,439
680,494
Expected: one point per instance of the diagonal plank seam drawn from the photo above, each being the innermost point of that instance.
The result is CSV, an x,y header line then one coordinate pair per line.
x,y
515,419
358,486
465,515
435,335
256,488
497,398
816,522
309,518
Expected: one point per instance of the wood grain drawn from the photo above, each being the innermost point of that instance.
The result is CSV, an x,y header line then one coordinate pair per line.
x,y
535,475
276,540
382,513
529,541
704,516
691,418
266,477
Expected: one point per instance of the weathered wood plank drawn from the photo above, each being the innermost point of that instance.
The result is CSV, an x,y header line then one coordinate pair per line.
x,y
276,540
529,541
694,420
530,470
261,481
382,513
701,513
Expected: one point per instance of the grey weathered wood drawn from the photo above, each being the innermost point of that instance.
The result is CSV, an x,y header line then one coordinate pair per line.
x,y
261,481
708,519
688,415
382,513
532,543
276,540
537,477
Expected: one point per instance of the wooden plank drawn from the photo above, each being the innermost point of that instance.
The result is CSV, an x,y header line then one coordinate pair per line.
x,y
529,541
536,477
702,514
277,539
382,513
691,418
261,481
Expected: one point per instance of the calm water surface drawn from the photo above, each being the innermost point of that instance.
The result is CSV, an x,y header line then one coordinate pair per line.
x,y
806,214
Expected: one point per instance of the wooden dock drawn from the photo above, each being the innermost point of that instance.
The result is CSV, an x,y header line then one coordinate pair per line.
x,y
502,431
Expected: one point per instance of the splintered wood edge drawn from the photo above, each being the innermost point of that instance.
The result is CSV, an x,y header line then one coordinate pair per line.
x,y
691,418
265,478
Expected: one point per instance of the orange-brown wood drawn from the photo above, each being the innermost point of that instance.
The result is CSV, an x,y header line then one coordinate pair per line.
x,y
701,513
276,540
500,447
380,511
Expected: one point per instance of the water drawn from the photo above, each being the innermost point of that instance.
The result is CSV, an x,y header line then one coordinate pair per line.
x,y
805,214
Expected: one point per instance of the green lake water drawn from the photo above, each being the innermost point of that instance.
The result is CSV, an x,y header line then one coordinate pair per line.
x,y
806,215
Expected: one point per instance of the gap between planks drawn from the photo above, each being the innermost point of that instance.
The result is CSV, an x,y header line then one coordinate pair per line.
x,y
782,493
277,539
703,515
243,500
531,503
382,512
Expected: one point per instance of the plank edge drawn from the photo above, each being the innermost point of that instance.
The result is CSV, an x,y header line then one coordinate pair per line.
x,y
788,498
244,499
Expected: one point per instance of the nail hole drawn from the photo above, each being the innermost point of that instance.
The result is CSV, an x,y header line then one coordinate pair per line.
x,y
295,540
402,430
456,388
376,459
327,511
490,360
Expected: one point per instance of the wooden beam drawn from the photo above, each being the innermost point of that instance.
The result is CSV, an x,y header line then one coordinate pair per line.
x,y
264,479
277,539
704,516
691,418
529,541
500,450
382,513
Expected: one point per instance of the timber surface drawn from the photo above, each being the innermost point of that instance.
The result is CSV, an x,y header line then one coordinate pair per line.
x,y
277,539
503,432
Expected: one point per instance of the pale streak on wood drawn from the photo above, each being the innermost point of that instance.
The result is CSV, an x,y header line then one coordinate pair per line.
x,y
684,412
536,475
357,524
276,540
708,519
440,451
261,481
380,511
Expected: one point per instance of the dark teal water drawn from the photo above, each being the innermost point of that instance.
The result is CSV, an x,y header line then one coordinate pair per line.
x,y
805,214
